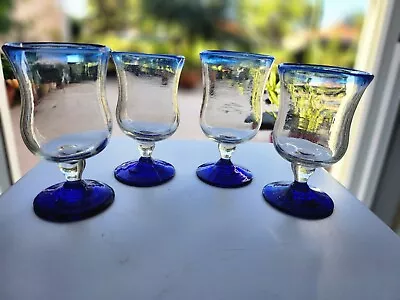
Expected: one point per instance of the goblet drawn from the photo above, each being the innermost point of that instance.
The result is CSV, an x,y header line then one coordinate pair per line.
x,y
65,119
147,111
317,104
233,86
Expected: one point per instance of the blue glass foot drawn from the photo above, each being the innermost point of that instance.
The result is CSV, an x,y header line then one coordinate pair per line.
x,y
298,200
73,200
144,172
224,174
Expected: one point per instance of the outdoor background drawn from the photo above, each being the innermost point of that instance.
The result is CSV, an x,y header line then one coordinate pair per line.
x,y
308,31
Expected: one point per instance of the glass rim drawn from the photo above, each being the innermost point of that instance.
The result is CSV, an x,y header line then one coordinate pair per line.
x,y
155,55
237,54
328,69
56,46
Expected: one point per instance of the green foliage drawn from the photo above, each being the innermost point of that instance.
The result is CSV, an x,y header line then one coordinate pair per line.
x,y
273,89
188,27
7,69
356,20
197,18
271,21
5,20
112,16
333,53
175,27
309,107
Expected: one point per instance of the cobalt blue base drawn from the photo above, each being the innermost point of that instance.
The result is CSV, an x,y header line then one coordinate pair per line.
x,y
224,174
298,200
145,172
73,200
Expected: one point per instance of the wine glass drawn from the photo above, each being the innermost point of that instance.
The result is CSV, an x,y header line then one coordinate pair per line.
x,y
233,86
65,119
147,111
317,104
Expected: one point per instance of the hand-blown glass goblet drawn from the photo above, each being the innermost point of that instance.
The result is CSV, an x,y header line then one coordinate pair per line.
x,y
234,84
147,111
317,104
64,119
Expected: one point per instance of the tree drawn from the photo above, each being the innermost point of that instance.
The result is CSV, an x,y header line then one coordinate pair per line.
x,y
206,20
5,20
271,21
198,19
356,20
112,16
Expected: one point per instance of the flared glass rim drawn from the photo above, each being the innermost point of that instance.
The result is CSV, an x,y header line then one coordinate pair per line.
x,y
149,55
236,54
328,69
56,46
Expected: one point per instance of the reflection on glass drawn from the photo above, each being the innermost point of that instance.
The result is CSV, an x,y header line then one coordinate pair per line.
x,y
64,118
317,104
147,111
233,83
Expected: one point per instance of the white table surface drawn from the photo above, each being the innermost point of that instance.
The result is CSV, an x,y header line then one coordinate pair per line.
x,y
186,240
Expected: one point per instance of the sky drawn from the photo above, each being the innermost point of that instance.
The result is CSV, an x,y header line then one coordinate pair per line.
x,y
334,10
75,8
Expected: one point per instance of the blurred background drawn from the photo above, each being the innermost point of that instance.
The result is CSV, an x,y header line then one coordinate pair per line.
x,y
309,31
348,33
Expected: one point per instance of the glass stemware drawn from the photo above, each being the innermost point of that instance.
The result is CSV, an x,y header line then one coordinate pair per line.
x,y
317,104
233,86
65,119
147,111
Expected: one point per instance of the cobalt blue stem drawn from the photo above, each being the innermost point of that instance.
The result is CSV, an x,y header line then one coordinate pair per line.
x,y
299,200
224,174
73,200
145,172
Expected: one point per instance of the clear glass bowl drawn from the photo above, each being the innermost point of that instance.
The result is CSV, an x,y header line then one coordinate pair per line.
x,y
231,112
65,119
317,104
147,111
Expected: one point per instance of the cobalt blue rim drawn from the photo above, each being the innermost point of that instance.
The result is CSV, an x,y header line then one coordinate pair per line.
x,y
56,46
179,60
148,55
236,54
283,67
